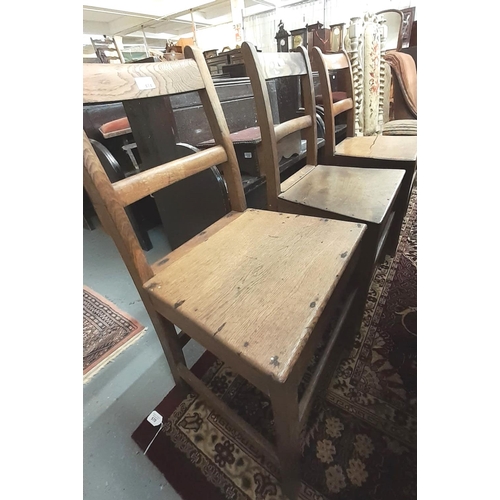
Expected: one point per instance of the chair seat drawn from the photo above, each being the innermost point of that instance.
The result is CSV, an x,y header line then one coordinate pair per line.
x,y
361,193
260,267
400,148
400,127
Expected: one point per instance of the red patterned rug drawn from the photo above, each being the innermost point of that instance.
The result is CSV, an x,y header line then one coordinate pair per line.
x,y
360,443
107,331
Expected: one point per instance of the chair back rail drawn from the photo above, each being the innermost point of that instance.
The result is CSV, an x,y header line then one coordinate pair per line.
x,y
324,63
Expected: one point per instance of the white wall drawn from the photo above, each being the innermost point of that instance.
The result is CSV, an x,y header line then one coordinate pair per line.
x,y
260,29
217,37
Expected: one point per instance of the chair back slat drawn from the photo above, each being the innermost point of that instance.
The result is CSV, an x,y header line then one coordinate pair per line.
x,y
120,82
338,60
324,63
280,64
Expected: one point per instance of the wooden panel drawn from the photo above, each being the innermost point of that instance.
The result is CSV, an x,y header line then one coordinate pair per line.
x,y
363,194
293,179
118,82
336,61
277,65
148,182
256,287
401,148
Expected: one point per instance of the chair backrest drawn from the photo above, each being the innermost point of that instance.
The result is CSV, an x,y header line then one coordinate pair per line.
x,y
106,83
405,84
325,63
394,22
262,66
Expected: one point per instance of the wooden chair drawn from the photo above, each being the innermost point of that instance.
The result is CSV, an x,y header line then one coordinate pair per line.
x,y
394,22
378,151
353,194
259,289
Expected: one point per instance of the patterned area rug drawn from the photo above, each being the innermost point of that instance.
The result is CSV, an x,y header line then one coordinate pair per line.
x,y
107,331
361,439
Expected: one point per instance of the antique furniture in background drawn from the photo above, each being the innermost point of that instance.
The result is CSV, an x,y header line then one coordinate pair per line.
x,y
299,37
317,36
408,19
394,23
377,151
282,38
366,47
259,289
337,37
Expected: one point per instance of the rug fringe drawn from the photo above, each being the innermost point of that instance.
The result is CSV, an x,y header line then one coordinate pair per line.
x,y
87,376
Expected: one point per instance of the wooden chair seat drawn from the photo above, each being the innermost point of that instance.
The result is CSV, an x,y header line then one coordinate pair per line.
x,y
233,285
351,192
380,147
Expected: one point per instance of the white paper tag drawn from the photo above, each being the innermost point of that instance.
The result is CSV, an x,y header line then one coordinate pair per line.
x,y
247,155
155,418
145,83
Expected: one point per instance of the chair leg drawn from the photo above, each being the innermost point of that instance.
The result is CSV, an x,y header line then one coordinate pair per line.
x,y
172,348
400,208
364,275
285,404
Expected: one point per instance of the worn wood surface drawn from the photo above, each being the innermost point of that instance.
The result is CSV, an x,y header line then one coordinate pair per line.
x,y
279,64
118,82
339,60
256,288
309,102
396,148
176,254
261,267
285,405
289,127
359,193
267,151
138,186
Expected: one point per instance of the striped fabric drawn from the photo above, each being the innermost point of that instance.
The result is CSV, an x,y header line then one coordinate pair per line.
x,y
400,127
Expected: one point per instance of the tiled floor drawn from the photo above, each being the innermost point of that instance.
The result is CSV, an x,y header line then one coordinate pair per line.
x,y
123,393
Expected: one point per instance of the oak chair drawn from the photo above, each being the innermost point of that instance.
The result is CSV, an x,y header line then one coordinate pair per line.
x,y
259,289
378,151
360,195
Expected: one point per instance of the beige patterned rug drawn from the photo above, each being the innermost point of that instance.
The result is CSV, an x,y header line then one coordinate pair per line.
x,y
361,439
107,331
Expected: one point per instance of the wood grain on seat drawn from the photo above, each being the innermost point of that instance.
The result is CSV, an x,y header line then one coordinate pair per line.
x,y
258,285
400,148
359,193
